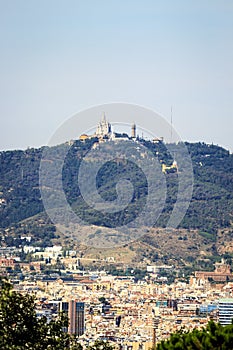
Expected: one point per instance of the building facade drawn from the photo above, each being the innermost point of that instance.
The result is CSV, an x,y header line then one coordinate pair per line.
x,y
75,312
222,273
225,311
103,127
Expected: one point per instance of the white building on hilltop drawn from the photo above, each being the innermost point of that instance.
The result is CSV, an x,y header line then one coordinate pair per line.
x,y
103,127
104,132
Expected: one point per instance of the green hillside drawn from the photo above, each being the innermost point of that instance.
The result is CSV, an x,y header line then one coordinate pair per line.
x,y
22,211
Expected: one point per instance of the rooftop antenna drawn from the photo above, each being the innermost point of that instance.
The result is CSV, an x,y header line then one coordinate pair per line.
x,y
171,140
171,126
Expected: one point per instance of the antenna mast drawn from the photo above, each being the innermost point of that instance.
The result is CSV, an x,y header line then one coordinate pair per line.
x,y
171,126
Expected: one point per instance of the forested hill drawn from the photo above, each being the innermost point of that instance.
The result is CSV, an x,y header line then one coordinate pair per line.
x,y
211,207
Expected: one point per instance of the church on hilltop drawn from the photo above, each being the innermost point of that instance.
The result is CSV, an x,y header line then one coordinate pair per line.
x,y
104,132
104,128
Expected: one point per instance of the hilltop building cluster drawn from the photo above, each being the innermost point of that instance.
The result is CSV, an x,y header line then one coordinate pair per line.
x,y
105,132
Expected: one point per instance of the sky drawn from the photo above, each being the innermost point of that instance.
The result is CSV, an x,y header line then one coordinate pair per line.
x,y
61,57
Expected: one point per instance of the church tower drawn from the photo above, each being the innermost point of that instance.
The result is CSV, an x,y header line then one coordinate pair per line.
x,y
133,131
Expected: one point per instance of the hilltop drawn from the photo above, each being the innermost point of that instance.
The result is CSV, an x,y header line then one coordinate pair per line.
x,y
206,227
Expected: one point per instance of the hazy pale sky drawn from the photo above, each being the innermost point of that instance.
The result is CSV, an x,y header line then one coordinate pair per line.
x,y
60,57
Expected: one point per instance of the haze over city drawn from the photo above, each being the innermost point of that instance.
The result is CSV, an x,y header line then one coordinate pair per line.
x,y
58,58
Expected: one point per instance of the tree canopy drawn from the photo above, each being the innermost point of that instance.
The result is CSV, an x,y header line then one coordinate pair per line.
x,y
213,337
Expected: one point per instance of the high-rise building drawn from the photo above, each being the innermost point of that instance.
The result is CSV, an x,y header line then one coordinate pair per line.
x,y
75,313
225,311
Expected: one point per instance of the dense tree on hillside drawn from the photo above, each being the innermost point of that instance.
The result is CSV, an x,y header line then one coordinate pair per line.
x,y
211,206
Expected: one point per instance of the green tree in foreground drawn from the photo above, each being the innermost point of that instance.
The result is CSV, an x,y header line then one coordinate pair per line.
x,y
101,345
213,337
20,329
